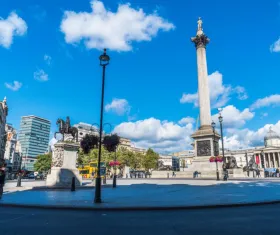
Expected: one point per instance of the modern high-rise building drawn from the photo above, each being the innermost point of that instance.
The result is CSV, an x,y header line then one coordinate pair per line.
x,y
34,138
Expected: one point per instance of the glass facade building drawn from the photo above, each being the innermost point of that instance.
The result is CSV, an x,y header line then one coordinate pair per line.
x,y
34,138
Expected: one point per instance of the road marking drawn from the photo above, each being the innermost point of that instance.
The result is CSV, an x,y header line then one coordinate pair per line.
x,y
9,220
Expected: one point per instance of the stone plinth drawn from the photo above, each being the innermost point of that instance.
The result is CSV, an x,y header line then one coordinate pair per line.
x,y
64,158
206,142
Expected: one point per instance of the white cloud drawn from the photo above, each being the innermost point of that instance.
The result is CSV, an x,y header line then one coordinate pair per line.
x,y
163,136
186,120
190,98
41,75
11,27
266,101
241,93
246,138
52,142
15,86
118,106
275,47
48,59
103,28
234,118
219,93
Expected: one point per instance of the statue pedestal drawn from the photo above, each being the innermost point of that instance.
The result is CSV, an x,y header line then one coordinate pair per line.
x,y
64,158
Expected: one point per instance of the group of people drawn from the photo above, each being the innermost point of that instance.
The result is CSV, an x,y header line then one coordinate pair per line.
x,y
2,179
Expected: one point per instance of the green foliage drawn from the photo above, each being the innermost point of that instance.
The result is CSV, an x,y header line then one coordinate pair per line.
x,y
111,142
136,161
150,160
43,163
89,142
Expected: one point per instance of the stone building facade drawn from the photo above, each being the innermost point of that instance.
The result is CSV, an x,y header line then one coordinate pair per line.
x,y
10,148
3,118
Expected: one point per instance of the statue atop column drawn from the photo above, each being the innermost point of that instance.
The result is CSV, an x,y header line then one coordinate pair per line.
x,y
199,26
200,40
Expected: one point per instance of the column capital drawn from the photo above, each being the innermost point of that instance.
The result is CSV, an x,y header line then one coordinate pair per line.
x,y
200,41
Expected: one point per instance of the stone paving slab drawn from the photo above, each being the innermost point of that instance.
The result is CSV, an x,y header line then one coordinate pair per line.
x,y
153,194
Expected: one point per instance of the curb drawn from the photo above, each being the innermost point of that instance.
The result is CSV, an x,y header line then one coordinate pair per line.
x,y
138,208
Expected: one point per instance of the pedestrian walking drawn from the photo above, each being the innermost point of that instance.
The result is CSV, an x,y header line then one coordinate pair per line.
x,y
2,179
258,173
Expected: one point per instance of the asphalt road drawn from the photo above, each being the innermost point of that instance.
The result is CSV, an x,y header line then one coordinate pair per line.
x,y
243,220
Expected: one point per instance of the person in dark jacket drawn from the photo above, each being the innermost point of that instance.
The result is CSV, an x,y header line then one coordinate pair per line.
x,y
2,179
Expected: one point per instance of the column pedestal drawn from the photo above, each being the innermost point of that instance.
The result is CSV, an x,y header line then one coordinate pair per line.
x,y
64,158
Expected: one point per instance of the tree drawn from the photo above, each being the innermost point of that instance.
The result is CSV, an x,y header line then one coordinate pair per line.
x,y
111,142
84,159
43,163
150,160
89,142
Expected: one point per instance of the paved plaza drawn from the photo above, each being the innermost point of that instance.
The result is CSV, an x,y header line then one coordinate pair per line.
x,y
148,193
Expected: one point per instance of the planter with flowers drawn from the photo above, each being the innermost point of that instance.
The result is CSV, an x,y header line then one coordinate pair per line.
x,y
216,159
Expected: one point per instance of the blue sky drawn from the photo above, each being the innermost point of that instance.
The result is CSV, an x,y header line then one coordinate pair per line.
x,y
51,52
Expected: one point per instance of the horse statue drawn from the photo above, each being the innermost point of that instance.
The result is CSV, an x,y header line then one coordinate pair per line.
x,y
231,163
65,128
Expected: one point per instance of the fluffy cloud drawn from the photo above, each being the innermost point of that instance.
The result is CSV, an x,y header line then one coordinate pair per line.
x,y
186,120
189,98
163,136
41,76
234,118
266,101
219,93
103,28
247,138
275,47
48,59
11,27
118,106
15,86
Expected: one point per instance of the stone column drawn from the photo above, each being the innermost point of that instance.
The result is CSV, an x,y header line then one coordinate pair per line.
x,y
203,87
268,157
274,159
200,41
206,141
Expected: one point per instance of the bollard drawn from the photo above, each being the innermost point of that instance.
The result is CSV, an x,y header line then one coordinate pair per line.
x,y
167,175
19,180
73,185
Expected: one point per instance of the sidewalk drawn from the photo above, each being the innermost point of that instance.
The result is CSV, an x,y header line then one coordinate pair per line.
x,y
152,194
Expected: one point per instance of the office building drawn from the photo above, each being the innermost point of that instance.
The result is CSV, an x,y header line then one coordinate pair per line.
x,y
34,138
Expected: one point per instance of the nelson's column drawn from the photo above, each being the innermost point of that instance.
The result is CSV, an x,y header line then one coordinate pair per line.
x,y
205,141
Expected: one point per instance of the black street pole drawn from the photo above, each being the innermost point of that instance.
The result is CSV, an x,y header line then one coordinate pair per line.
x,y
104,60
115,171
222,137
214,148
247,164
19,172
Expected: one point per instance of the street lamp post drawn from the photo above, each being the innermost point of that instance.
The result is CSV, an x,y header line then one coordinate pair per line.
x,y
19,172
115,171
222,136
104,61
213,124
247,163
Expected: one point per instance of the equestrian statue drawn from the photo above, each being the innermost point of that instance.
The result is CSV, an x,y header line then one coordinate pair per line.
x,y
65,128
